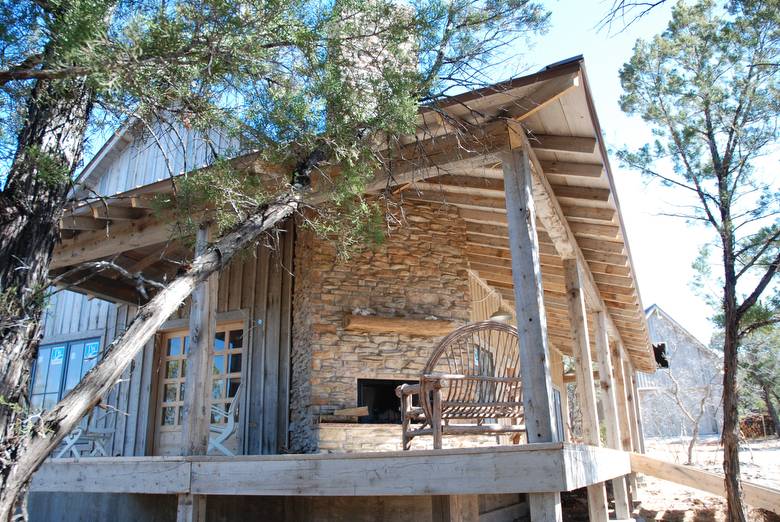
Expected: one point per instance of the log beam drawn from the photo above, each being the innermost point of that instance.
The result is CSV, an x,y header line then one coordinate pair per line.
x,y
532,327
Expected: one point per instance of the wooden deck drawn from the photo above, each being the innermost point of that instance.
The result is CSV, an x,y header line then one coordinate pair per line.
x,y
530,468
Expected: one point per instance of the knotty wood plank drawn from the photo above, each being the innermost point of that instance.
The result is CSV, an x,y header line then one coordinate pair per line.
x,y
399,325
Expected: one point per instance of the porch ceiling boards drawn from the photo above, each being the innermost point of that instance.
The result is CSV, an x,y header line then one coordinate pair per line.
x,y
551,114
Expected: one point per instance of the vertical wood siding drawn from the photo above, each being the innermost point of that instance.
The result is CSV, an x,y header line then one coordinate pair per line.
x,y
152,155
259,284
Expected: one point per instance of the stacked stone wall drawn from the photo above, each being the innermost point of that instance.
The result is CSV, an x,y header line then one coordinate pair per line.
x,y
419,272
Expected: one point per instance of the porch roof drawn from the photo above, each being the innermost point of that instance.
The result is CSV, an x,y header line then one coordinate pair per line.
x,y
453,159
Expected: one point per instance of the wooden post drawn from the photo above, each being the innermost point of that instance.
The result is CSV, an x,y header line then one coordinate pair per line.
x,y
531,320
565,407
640,436
436,420
583,368
455,508
621,397
609,403
632,419
197,384
191,508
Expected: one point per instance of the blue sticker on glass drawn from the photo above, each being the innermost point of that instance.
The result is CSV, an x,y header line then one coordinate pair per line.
x,y
91,350
57,355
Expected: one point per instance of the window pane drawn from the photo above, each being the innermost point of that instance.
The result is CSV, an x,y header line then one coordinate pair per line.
x,y
74,366
172,369
233,385
219,365
36,402
170,393
174,346
186,344
168,416
56,368
49,400
41,368
92,352
91,357
236,339
235,363
181,391
219,341
181,415
218,389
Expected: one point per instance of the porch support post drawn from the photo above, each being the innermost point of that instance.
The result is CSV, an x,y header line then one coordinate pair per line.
x,y
197,384
583,368
455,508
191,508
628,371
621,396
640,436
531,319
608,401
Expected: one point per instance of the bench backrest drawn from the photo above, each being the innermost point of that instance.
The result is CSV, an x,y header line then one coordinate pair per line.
x,y
478,366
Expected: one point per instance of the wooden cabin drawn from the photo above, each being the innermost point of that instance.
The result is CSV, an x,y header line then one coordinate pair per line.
x,y
520,216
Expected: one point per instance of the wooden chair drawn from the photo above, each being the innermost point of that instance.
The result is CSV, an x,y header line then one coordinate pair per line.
x,y
222,432
471,385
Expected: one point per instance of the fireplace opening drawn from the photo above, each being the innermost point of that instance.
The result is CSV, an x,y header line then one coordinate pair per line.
x,y
384,407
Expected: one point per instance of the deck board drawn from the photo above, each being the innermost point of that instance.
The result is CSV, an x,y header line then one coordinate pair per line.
x,y
529,468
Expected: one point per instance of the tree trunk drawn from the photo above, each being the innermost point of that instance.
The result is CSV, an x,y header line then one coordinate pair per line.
x,y
32,449
31,204
772,410
730,438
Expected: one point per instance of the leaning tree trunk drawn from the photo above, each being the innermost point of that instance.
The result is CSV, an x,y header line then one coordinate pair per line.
x,y
31,204
33,448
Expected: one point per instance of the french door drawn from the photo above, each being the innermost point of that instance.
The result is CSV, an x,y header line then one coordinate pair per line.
x,y
227,360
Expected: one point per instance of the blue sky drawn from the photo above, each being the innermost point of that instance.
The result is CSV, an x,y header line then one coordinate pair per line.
x,y
663,248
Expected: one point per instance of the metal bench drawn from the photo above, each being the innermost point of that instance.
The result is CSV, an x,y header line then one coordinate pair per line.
x,y
470,385
222,432
90,438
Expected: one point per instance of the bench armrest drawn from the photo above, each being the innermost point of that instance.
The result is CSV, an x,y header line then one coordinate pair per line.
x,y
407,389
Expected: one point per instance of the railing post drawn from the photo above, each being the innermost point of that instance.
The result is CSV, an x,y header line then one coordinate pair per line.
x,y
609,402
531,320
583,368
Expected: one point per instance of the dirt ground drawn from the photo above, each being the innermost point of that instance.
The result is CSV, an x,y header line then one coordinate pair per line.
x,y
661,500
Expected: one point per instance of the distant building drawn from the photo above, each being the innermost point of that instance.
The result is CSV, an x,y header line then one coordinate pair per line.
x,y
686,364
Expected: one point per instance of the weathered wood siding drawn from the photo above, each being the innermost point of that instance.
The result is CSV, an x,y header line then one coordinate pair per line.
x,y
143,156
256,287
